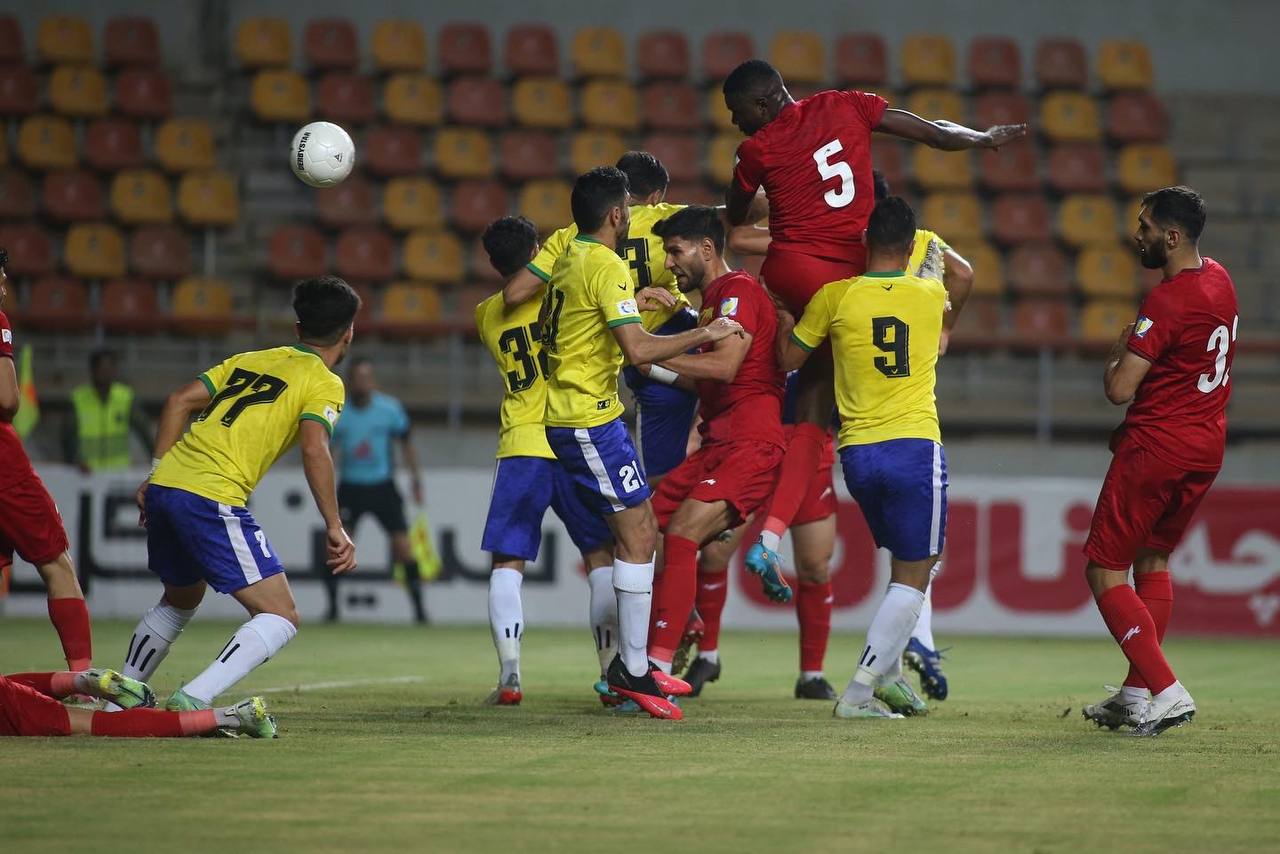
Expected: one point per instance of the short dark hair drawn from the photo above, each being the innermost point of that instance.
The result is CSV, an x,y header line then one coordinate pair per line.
x,y
696,222
750,77
325,307
509,242
645,173
1180,206
892,226
880,183
100,354
594,193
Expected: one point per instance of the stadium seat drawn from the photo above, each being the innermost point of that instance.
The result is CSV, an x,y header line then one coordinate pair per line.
x,y
1078,167
365,254
718,114
263,43
202,307
1086,219
64,38
12,50
722,153
1107,271
995,62
409,203
546,204
663,54
475,204
861,60
46,142
542,102
462,311
982,320
352,202
1011,168
112,144
681,154
611,104
345,98
78,90
1102,320
531,50
30,249
942,170
393,150
1061,64
886,156
1020,218
1124,65
1142,168
722,52
279,95
131,40
399,45
296,252
19,91
937,104
465,48
144,93
57,304
463,153
408,308
799,56
591,148
599,52
129,305
208,199
527,154
1000,108
141,197
1137,117
956,215
928,60
160,252
73,196
988,267
479,264
480,101
433,256
1041,321
184,145
17,196
1070,117
413,99
94,251
1037,268
330,43
671,105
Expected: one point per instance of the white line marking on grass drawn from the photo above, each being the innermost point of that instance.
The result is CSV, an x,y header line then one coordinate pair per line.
x,y
352,683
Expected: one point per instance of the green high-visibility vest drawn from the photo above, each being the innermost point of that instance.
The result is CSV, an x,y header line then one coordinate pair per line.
x,y
103,426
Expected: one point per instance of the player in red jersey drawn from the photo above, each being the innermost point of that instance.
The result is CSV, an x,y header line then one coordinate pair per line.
x,y
813,159
29,520
1174,364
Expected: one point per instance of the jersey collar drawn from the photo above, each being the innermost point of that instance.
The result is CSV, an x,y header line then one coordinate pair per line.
x,y
587,239
885,274
305,349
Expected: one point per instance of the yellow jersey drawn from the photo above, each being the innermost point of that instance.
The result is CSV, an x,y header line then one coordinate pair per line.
x,y
884,330
642,251
511,336
589,293
258,400
928,260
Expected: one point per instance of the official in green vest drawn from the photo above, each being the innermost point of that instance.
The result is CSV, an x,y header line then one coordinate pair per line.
x,y
104,411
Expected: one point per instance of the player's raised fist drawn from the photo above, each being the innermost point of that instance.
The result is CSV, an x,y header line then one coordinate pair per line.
x,y
998,135
723,327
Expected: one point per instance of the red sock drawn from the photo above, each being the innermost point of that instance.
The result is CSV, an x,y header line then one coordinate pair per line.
x,y
713,589
1131,625
44,682
154,723
798,466
1155,589
70,618
673,601
813,610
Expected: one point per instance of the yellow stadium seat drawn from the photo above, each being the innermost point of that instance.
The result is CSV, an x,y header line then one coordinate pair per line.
x,y
546,204
94,251
1124,65
799,56
413,99
184,145
928,60
46,142
599,52
65,38
280,95
141,197
208,199
202,306
433,256
1143,168
1107,271
463,153
542,102
1087,219
942,170
1129,224
78,90
409,203
1103,319
408,306
957,216
611,104
591,148
717,113
938,104
721,156
1070,117
263,42
988,267
399,45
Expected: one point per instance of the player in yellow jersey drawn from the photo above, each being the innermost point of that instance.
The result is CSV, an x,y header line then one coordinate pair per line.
x,y
528,478
249,410
884,328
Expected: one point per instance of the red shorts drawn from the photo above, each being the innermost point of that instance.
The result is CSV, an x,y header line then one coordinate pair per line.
x,y
25,711
796,277
30,523
741,473
1145,503
820,501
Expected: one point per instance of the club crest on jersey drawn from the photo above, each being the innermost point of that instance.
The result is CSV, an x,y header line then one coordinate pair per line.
x,y
728,306
1142,327
628,306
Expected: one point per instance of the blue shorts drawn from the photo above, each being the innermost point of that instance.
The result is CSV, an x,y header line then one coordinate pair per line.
x,y
523,489
901,487
603,463
191,539
664,414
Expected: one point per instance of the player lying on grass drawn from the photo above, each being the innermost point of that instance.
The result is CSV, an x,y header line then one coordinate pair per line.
x,y
30,706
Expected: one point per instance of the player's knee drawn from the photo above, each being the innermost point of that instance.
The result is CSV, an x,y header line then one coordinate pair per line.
x,y
814,572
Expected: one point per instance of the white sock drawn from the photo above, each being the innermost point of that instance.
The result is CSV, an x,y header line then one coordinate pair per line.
x,y
633,584
506,619
603,613
807,675
712,655
1130,694
923,631
1172,692
155,633
252,644
770,540
886,639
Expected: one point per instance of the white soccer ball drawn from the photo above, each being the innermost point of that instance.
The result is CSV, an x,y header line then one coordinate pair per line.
x,y
322,154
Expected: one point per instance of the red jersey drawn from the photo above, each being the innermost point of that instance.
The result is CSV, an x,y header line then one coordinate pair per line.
x,y
13,457
1187,330
814,162
750,407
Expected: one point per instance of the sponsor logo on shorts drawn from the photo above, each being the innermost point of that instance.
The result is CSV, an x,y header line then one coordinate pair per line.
x,y
1143,326
729,307
628,306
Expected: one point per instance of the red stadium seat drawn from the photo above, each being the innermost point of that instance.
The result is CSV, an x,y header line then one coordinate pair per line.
x,y
465,49
160,252
46,142
681,154
525,155
78,90
1037,268
1042,321
433,256
663,54
982,319
412,203
599,52
11,45
886,156
861,60
1000,108
263,42
365,254
1137,117
143,93
480,101
73,196
693,193
531,50
113,144
399,45
184,145
393,150
724,51
131,40
64,38
19,91
1011,168
995,62
346,98
129,305
1061,64
330,43
671,105
94,251
352,202
17,196
29,247
475,204
296,252
57,304
1079,167
1019,218
413,99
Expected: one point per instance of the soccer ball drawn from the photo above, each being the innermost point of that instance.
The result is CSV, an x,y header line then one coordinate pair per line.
x,y
322,154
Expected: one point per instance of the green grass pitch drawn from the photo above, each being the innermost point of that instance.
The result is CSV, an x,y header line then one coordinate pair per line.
x,y
1006,764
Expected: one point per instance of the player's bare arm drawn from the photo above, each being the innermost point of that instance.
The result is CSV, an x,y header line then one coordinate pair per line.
x,y
179,406
737,204
749,239
410,457
654,299
1125,370
523,286
642,348
946,135
957,278
317,465
791,355
10,399
718,365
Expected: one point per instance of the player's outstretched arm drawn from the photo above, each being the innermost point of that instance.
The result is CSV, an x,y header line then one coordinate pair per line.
x,y
317,465
179,406
523,286
641,348
790,350
1125,370
957,278
946,135
719,365
10,399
